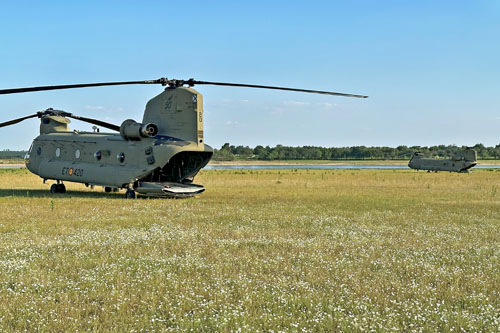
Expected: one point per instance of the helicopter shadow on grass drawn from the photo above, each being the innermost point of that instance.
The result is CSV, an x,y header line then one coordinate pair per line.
x,y
30,193
25,193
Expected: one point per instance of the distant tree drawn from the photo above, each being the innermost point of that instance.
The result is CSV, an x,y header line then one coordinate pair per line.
x,y
243,151
259,151
223,154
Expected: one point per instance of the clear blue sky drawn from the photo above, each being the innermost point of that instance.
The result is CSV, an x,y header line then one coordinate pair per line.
x,y
431,68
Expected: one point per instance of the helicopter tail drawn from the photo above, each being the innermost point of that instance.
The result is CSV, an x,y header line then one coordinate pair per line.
x,y
178,113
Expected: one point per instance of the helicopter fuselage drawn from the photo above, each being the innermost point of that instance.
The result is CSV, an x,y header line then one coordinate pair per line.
x,y
462,162
109,160
158,157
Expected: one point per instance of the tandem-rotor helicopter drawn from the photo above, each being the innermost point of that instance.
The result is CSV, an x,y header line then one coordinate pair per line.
x,y
159,156
461,162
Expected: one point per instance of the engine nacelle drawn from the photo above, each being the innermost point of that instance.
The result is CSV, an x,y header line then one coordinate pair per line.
x,y
132,130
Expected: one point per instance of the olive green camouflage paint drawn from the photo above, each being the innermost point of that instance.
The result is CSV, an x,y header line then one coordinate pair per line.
x,y
116,161
461,162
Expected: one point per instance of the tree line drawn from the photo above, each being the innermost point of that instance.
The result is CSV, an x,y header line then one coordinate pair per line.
x,y
12,154
230,152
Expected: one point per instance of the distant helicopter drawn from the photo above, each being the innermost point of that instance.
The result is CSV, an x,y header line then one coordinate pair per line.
x,y
158,157
461,162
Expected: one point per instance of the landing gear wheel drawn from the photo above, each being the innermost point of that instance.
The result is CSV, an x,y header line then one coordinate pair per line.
x,y
61,188
57,188
130,194
107,189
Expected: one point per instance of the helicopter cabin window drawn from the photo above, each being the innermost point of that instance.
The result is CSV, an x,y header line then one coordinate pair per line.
x,y
98,155
39,151
77,153
121,157
58,152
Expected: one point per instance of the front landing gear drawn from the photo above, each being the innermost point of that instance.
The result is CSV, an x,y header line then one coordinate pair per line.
x,y
57,188
130,194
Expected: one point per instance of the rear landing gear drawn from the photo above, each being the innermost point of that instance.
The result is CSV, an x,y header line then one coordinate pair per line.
x,y
130,194
57,188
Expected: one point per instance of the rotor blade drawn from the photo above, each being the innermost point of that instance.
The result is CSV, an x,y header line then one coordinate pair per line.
x,y
192,82
170,82
83,85
95,122
18,120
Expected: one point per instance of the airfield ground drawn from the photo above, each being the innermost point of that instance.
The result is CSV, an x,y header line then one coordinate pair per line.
x,y
319,250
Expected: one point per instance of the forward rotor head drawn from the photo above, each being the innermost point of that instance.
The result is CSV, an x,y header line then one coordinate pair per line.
x,y
60,113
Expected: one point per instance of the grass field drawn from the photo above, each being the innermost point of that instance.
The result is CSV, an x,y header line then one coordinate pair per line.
x,y
323,250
